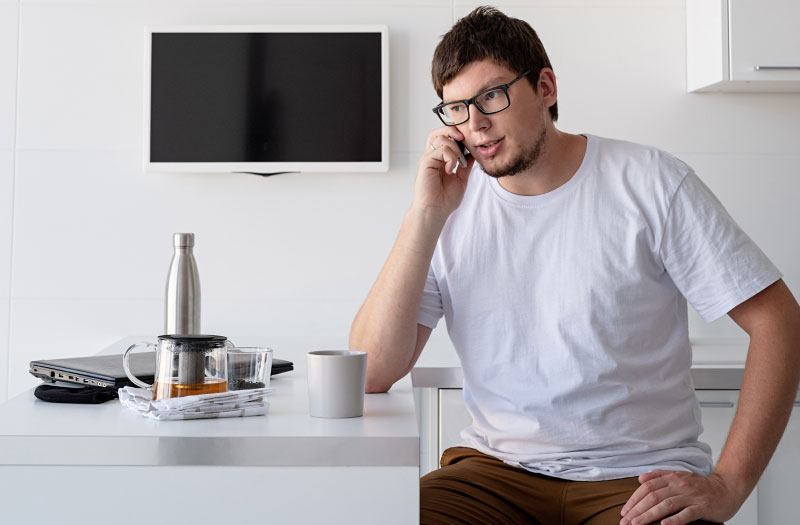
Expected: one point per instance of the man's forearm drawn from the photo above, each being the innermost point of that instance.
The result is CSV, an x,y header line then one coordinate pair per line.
x,y
765,403
386,325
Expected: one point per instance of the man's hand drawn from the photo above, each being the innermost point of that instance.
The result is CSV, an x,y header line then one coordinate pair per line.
x,y
441,178
678,498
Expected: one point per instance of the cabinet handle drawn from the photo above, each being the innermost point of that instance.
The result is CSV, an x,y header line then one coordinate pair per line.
x,y
716,404
772,68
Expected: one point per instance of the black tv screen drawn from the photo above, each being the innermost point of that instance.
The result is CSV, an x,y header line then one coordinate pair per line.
x,y
272,98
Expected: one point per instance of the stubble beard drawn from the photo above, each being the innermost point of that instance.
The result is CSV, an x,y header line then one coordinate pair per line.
x,y
526,160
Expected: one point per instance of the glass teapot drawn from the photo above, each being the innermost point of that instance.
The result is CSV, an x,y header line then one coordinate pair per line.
x,y
186,365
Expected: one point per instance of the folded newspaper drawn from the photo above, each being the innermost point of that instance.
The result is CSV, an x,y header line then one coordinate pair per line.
x,y
238,403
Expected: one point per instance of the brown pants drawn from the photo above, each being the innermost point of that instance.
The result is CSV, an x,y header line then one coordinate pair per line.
x,y
472,487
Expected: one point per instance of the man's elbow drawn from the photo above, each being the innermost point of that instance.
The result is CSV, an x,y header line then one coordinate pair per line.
x,y
376,385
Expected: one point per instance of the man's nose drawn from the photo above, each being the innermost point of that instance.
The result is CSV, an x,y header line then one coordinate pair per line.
x,y
477,120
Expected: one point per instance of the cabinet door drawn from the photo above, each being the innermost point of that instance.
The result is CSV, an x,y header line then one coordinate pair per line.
x,y
453,417
778,486
718,408
764,33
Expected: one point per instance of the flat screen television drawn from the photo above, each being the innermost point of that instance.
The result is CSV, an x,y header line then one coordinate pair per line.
x,y
266,99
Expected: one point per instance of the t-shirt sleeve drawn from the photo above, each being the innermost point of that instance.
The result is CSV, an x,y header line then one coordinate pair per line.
x,y
430,310
714,264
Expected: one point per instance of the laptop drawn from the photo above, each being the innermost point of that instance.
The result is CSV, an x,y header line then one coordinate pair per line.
x,y
106,370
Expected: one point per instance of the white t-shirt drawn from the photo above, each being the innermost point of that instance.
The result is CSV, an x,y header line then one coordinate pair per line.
x,y
568,312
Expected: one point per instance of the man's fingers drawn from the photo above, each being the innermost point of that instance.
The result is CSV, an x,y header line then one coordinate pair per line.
x,y
662,504
446,151
644,510
445,131
687,515
643,490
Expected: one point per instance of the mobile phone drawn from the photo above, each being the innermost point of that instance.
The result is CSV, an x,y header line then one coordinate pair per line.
x,y
464,152
462,148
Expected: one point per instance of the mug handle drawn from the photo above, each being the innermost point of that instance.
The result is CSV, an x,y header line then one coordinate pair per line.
x,y
125,365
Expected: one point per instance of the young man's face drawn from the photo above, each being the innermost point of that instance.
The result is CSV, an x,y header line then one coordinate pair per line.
x,y
508,142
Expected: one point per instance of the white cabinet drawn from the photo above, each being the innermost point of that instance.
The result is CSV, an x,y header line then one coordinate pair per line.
x,y
453,417
771,503
743,45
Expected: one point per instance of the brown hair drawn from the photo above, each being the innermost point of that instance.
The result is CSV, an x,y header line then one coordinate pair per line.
x,y
488,33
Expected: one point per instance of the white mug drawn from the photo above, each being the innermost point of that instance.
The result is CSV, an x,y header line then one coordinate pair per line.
x,y
336,381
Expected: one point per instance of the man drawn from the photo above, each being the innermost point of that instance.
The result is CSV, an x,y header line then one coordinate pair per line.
x,y
563,264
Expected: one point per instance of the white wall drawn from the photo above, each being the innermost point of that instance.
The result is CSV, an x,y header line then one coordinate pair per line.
x,y
85,235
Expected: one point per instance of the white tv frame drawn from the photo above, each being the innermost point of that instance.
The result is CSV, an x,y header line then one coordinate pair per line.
x,y
270,167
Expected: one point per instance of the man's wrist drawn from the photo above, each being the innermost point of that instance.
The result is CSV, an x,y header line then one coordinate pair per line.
x,y
430,217
737,486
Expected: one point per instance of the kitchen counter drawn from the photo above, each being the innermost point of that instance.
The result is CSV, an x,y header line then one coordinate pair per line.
x,y
705,377
286,465
716,365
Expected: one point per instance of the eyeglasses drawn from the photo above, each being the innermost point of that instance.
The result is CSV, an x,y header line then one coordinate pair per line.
x,y
493,100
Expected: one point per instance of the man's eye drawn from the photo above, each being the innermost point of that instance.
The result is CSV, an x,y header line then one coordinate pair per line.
x,y
457,108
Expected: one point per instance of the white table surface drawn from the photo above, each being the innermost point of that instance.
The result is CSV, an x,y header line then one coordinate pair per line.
x,y
33,432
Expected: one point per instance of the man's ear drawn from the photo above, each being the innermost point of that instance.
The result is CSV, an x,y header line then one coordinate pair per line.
x,y
546,86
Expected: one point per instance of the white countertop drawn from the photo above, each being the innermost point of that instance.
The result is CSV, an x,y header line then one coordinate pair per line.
x,y
33,432
716,365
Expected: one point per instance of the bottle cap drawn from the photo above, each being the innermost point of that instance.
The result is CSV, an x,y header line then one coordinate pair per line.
x,y
183,239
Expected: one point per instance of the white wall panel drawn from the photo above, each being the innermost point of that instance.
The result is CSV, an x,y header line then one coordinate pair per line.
x,y
6,200
82,76
299,318
4,351
6,218
8,72
621,73
91,224
80,81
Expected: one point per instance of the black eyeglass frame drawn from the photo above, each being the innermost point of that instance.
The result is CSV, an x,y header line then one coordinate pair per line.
x,y
473,100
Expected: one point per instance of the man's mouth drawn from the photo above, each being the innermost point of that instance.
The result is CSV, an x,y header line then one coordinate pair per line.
x,y
490,147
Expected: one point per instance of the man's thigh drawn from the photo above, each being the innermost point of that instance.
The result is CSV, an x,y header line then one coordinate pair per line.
x,y
598,502
473,488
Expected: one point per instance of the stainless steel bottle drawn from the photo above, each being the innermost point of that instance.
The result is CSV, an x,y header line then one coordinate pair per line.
x,y
182,310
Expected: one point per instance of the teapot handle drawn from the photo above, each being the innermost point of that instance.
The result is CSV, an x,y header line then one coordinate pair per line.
x,y
126,366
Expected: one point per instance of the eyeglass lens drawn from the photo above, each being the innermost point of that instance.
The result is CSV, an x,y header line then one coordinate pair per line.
x,y
490,101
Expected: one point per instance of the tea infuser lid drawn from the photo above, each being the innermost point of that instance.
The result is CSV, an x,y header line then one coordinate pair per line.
x,y
193,341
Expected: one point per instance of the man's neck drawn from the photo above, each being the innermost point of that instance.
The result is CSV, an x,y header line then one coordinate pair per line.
x,y
561,157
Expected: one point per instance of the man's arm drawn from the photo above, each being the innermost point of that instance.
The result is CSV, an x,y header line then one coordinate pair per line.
x,y
769,387
386,325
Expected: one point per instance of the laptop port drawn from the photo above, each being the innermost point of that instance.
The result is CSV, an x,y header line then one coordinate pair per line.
x,y
52,374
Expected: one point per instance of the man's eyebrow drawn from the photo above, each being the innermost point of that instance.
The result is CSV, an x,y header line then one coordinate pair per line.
x,y
492,82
